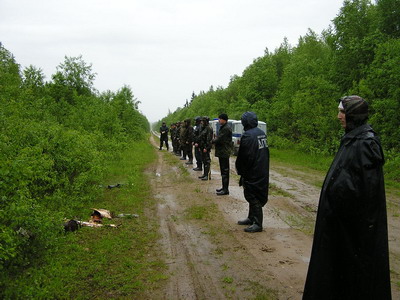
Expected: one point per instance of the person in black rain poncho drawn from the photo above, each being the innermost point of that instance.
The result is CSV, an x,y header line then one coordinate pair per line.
x,y
252,164
350,256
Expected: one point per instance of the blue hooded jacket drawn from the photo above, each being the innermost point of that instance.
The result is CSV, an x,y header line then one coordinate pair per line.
x,y
253,157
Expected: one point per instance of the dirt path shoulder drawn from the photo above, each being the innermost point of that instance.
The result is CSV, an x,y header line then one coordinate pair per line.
x,y
210,257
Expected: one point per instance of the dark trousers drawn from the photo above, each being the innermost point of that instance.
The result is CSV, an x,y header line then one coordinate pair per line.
x,y
174,145
224,168
183,150
256,194
162,142
206,158
197,154
189,151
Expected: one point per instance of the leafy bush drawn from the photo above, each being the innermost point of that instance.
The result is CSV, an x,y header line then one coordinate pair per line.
x,y
55,142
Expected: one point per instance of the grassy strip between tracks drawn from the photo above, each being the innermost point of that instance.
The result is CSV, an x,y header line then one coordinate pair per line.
x,y
103,263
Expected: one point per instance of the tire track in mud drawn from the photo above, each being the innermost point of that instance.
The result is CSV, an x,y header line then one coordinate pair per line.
x,y
190,276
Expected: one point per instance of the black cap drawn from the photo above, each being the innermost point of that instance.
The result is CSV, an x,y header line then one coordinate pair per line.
x,y
223,117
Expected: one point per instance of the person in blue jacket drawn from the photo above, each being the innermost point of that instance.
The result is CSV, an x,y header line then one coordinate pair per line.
x,y
252,164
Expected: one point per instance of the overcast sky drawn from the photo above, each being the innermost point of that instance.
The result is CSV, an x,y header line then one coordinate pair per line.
x,y
164,50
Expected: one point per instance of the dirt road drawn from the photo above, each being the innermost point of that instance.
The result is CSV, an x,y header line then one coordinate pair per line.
x,y
210,257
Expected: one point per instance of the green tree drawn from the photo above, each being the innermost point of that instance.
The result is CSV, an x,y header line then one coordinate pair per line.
x,y
383,90
259,81
389,17
354,41
33,81
10,79
73,77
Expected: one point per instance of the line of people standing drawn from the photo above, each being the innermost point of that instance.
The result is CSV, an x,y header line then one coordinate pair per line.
x,y
185,137
350,255
252,163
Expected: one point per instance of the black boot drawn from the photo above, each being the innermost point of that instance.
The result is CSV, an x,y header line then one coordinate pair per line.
x,y
218,190
253,228
225,184
207,173
222,193
204,173
257,218
246,221
190,162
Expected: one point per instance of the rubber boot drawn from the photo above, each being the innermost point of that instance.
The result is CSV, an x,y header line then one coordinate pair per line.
x,y
207,172
256,218
225,184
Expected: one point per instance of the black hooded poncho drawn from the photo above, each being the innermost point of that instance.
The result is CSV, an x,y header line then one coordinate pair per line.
x,y
350,256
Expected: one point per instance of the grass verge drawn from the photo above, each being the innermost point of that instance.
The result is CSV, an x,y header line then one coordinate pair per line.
x,y
310,163
103,263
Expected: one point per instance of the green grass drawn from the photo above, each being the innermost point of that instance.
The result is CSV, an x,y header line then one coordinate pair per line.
x,y
200,212
276,191
103,263
227,280
300,159
308,163
261,292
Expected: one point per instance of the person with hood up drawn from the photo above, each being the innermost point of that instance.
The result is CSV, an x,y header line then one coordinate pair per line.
x,y
350,256
252,164
164,135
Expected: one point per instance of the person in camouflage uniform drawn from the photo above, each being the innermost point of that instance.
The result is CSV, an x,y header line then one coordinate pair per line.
x,y
187,140
178,139
197,152
173,137
182,134
205,144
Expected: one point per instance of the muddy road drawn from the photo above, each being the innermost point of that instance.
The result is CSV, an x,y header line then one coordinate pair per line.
x,y
209,256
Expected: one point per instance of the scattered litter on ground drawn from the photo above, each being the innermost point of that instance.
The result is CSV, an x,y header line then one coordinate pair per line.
x,y
98,214
71,225
96,220
111,186
127,216
91,224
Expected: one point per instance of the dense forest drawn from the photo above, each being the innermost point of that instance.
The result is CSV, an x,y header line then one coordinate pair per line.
x,y
56,137
295,89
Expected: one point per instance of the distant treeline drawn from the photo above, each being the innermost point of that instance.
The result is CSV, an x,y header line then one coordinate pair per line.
x,y
296,89
55,140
